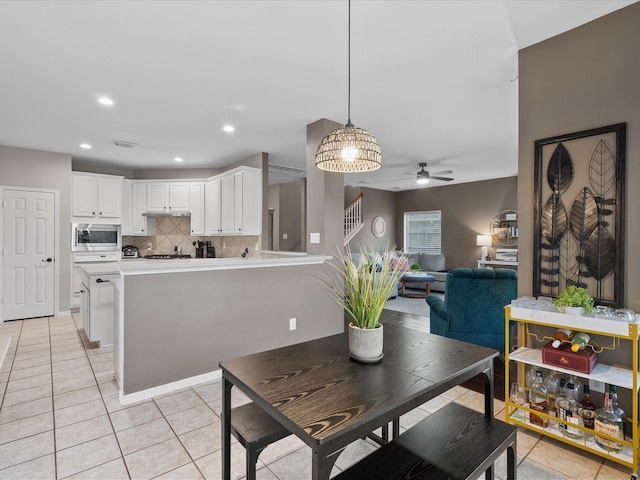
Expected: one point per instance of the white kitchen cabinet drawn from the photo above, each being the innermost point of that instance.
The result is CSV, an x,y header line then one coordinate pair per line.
x,y
134,204
76,276
140,225
157,197
196,202
96,197
248,202
233,205
212,209
227,214
97,307
163,197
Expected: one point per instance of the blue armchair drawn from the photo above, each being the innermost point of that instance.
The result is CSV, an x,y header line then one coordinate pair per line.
x,y
472,310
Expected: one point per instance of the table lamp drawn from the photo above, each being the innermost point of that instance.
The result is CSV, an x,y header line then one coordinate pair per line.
x,y
484,241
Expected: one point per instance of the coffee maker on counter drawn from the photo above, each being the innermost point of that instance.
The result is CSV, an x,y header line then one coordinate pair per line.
x,y
205,250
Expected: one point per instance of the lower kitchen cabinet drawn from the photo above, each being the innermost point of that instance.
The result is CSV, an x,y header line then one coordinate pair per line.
x,y
617,345
97,307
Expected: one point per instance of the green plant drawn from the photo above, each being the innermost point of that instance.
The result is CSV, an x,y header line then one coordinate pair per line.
x,y
362,283
415,267
574,297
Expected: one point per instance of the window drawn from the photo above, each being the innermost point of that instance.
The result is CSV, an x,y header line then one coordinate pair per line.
x,y
422,232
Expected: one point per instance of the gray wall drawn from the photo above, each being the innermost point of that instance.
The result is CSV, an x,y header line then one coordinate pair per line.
x,y
186,323
467,210
292,204
374,203
21,167
582,79
325,195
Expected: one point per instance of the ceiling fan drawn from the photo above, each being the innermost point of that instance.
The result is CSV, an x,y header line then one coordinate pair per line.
x,y
423,176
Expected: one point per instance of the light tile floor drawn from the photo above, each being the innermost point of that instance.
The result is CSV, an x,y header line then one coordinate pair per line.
x,y
60,418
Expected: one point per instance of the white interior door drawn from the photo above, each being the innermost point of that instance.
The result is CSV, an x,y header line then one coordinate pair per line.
x,y
29,247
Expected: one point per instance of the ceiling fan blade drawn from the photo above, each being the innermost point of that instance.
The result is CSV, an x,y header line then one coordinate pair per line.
x,y
445,172
444,179
401,179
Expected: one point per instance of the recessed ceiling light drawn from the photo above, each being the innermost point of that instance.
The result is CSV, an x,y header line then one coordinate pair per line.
x,y
229,128
85,146
178,159
239,107
105,101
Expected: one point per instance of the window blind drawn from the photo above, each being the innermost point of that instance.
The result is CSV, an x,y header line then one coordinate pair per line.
x,y
422,232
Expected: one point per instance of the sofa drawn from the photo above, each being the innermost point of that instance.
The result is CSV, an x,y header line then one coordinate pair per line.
x,y
473,307
430,263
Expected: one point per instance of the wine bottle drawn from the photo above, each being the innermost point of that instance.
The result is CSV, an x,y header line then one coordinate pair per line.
x,y
561,336
579,341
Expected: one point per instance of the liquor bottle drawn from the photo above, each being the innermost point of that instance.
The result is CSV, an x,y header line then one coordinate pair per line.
x,y
552,382
579,341
573,412
531,376
562,405
577,386
613,397
588,408
562,335
561,413
609,423
538,401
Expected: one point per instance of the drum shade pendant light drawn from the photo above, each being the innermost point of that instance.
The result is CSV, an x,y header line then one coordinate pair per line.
x,y
349,149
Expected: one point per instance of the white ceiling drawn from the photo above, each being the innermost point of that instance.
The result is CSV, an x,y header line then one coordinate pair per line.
x,y
435,81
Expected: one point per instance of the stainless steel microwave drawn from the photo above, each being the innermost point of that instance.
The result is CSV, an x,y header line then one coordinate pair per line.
x,y
91,237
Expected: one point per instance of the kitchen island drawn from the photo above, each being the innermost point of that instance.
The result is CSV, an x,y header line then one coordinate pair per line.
x,y
177,319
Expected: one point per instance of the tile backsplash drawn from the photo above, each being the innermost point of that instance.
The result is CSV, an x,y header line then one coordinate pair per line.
x,y
176,232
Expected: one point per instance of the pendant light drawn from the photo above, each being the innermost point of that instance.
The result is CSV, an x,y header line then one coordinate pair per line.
x,y
349,149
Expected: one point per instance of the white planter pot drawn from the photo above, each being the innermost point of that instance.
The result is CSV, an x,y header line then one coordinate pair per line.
x,y
578,311
365,345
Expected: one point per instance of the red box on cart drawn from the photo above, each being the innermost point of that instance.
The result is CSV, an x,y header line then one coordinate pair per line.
x,y
582,361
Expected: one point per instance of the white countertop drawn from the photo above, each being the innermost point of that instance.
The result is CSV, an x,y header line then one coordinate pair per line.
x,y
103,268
143,266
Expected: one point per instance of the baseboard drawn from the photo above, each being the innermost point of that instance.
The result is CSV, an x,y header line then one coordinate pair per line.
x,y
126,399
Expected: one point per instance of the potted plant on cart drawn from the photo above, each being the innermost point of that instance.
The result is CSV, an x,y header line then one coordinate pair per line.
x,y
574,301
362,283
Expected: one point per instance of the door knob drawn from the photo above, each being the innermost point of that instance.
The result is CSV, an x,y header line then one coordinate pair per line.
x,y
49,260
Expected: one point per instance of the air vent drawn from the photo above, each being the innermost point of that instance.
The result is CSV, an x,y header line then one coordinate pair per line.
x,y
285,170
123,144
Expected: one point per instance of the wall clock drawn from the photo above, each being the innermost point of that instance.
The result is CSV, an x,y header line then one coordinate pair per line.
x,y
378,226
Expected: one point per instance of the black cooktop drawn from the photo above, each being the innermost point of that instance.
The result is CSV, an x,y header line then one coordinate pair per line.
x,y
167,256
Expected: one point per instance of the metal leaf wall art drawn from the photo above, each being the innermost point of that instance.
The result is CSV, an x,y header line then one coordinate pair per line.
x,y
584,246
560,170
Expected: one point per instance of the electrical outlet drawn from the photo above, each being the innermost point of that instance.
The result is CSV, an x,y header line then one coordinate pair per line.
x,y
284,236
149,246
292,324
596,386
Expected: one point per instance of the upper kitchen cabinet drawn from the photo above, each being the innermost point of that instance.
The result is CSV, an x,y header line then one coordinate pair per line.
x,y
163,197
233,203
96,197
196,202
247,200
134,204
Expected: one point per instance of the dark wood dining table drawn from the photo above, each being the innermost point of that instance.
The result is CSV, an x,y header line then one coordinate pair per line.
x,y
328,400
